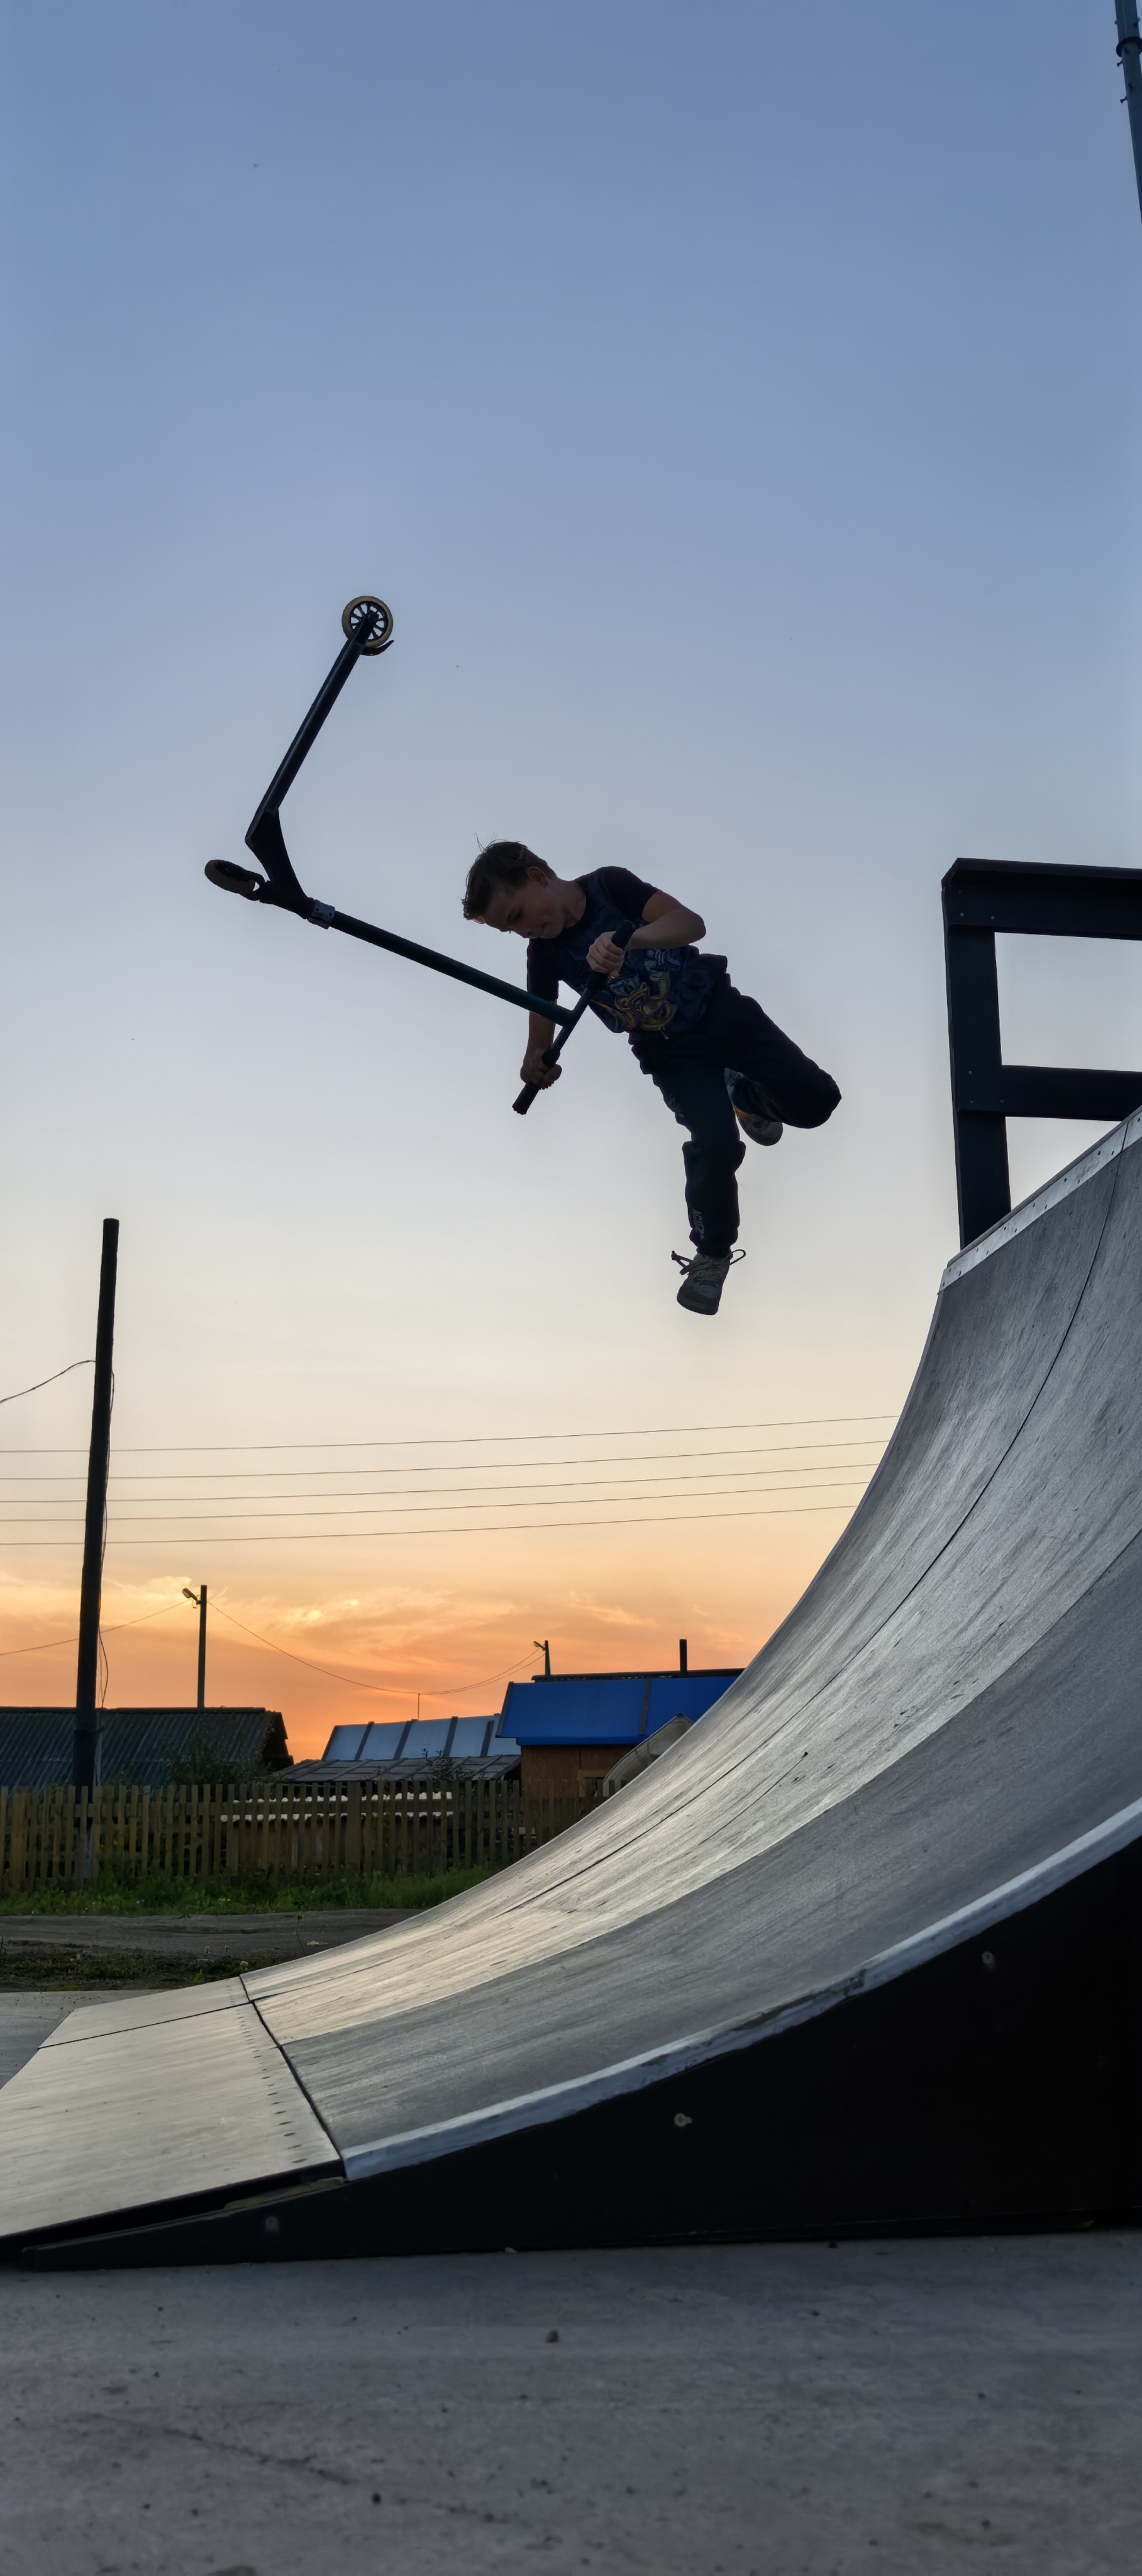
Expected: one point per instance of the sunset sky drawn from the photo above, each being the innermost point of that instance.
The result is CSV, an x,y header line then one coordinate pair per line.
x,y
737,404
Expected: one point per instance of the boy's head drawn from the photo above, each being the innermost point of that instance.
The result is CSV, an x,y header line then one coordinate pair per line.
x,y
510,889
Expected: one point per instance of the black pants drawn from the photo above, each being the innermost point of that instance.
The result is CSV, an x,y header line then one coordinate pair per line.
x,y
690,1071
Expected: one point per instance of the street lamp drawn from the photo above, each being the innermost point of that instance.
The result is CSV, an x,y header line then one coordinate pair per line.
x,y
199,1600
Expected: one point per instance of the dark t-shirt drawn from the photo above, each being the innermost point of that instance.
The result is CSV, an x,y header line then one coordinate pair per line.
x,y
655,990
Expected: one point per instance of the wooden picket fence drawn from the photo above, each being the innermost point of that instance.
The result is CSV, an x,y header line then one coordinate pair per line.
x,y
288,1835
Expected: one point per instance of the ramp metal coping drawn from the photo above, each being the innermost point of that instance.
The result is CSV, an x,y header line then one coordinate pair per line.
x,y
1120,1140
635,2074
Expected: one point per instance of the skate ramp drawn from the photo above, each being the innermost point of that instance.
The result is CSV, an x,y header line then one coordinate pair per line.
x,y
943,1738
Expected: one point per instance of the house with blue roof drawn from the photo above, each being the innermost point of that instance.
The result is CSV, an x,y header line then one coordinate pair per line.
x,y
573,1727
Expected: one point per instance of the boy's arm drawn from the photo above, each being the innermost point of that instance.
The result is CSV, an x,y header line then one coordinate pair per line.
x,y
666,923
539,1036
543,980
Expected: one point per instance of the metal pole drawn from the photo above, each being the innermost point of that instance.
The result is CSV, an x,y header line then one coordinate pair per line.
x,y
201,1648
85,1742
1130,57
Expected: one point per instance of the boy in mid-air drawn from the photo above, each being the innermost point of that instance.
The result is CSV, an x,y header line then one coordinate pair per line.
x,y
724,1069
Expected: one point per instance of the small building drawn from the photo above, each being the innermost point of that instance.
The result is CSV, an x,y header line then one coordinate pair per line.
x,y
146,1747
573,1727
470,1748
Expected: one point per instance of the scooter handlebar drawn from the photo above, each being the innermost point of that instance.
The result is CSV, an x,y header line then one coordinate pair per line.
x,y
623,936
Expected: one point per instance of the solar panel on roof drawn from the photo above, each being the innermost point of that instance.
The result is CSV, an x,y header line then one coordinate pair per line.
x,y
471,1737
424,1742
345,1743
381,1744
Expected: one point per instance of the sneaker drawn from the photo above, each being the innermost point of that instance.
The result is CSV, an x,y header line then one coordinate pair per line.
x,y
753,1109
704,1276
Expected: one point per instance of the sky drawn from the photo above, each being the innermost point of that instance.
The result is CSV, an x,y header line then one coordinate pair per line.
x,y
737,405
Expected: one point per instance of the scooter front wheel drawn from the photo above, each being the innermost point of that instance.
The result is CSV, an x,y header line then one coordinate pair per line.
x,y
379,617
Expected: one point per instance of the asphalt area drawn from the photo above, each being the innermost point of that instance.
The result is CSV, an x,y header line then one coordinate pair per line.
x,y
907,2406
902,2406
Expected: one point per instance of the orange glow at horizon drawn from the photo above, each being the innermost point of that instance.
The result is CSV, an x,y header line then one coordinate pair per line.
x,y
454,1640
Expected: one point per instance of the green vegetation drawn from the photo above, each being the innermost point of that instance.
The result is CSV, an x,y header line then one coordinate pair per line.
x,y
77,1972
254,1894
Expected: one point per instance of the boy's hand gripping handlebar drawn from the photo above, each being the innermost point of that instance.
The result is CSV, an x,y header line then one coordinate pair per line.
x,y
622,938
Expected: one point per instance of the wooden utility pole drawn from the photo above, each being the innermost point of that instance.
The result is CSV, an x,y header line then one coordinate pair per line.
x,y
1130,57
85,1742
199,1599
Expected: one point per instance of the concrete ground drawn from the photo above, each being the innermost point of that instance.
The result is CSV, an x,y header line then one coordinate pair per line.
x,y
794,2410
777,2409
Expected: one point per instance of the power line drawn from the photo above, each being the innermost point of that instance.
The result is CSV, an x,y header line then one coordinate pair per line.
x,y
34,1390
59,1510
434,1497
112,1631
620,1458
457,1440
192,1519
315,1538
381,1690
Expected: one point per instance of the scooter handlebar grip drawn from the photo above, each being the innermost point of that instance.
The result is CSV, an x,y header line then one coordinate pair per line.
x,y
529,1093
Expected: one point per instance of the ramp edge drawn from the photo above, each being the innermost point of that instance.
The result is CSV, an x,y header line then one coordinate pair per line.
x,y
1028,1213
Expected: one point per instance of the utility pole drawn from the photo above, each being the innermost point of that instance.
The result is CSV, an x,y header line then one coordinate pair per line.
x,y
199,1599
1130,57
85,1741
542,1648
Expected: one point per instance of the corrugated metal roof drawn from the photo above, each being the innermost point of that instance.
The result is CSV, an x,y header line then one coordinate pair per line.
x,y
140,1744
606,1708
488,1767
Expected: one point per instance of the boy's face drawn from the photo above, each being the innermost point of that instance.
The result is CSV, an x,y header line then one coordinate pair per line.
x,y
534,910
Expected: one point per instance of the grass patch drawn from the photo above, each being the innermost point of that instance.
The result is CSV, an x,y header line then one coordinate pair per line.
x,y
254,1894
79,1971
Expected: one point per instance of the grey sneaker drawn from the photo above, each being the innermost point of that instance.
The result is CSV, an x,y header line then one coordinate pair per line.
x,y
703,1279
753,1109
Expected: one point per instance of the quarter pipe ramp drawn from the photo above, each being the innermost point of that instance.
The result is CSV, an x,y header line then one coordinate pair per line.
x,y
862,1952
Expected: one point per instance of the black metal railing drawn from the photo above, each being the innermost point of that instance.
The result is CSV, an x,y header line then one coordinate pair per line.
x,y
981,897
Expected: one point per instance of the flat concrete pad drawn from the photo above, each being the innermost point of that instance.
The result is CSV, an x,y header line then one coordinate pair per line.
x,y
785,2410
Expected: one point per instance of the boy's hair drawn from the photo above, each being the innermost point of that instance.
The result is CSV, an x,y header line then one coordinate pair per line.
x,y
503,863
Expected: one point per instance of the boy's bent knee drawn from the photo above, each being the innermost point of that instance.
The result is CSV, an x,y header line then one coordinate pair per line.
x,y
821,1098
